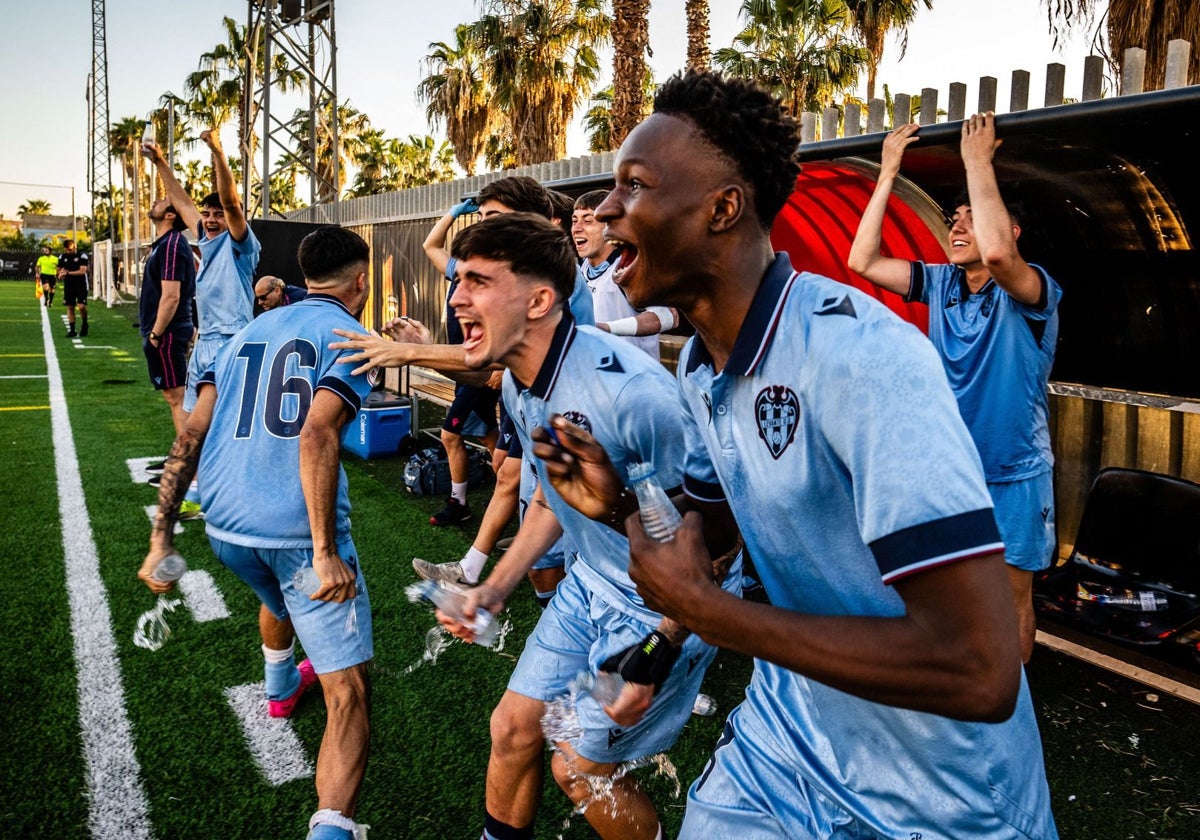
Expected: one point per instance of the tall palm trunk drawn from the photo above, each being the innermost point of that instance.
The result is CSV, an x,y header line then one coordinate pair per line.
x,y
699,57
631,37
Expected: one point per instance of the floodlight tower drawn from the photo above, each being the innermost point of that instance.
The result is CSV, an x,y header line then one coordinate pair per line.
x,y
291,36
99,154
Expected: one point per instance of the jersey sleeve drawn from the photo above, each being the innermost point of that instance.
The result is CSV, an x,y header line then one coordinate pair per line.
x,y
175,252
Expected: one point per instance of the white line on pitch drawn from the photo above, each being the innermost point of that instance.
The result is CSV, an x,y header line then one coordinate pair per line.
x,y
117,804
272,741
201,596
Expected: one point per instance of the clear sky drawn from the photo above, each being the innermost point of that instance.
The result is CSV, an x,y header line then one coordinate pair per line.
x,y
152,46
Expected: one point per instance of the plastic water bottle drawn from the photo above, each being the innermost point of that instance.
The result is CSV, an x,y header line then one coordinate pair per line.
x,y
306,581
660,517
604,686
148,133
452,604
704,705
1144,601
170,568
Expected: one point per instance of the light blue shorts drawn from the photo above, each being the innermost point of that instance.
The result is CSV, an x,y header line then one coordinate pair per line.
x,y
747,792
335,636
576,633
204,354
1025,516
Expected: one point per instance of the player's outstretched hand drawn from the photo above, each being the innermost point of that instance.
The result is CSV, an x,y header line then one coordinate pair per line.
x,y
481,597
578,467
371,350
674,575
408,329
145,573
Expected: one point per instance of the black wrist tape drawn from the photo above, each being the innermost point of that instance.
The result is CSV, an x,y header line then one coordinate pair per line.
x,y
648,662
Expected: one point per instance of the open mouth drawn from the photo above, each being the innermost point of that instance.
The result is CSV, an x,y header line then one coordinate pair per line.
x,y
473,334
627,259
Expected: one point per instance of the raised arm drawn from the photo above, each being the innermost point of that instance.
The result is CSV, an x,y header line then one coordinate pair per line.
x,y
435,242
995,233
185,208
231,203
866,257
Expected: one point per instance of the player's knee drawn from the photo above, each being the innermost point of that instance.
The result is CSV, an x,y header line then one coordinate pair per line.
x,y
515,729
346,691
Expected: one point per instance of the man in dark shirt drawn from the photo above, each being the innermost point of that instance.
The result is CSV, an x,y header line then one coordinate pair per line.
x,y
165,308
73,270
271,292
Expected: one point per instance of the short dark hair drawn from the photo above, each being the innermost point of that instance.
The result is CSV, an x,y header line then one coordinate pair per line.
x,y
748,125
591,200
178,224
562,206
212,200
520,194
1016,211
532,244
330,253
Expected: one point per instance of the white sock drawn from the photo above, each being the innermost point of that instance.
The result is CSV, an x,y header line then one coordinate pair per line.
x,y
472,564
458,489
275,657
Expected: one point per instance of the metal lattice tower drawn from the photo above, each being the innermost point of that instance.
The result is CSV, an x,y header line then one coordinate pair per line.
x,y
301,33
99,157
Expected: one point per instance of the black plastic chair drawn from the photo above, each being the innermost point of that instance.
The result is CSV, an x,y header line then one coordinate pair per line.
x,y
1134,575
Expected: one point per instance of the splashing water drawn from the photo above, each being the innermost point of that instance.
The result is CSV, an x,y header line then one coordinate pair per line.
x,y
152,630
561,724
436,641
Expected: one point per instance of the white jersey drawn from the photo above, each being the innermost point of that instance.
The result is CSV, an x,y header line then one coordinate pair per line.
x,y
610,304
834,436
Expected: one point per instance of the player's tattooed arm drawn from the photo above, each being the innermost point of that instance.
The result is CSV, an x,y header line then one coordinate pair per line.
x,y
178,471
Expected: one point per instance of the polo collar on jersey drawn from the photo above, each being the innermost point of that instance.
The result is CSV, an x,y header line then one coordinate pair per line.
x,y
761,321
964,288
556,355
330,299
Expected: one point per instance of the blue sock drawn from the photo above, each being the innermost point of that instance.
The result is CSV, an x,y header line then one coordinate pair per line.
x,y
325,831
282,678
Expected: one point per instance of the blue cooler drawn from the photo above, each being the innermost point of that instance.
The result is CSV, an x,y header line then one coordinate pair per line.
x,y
383,422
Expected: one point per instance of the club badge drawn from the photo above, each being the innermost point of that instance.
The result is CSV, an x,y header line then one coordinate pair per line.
x,y
777,411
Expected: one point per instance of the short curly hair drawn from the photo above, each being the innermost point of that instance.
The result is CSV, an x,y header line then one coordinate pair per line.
x,y
746,124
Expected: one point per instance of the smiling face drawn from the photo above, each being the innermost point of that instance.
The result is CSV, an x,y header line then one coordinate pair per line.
x,y
213,220
587,232
661,208
963,250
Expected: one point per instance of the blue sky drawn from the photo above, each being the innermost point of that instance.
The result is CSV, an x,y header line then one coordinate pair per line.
x,y
152,46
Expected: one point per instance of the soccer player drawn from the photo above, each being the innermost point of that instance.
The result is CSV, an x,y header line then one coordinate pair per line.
x,y
516,272
598,260
993,319
888,697
275,402
228,256
73,271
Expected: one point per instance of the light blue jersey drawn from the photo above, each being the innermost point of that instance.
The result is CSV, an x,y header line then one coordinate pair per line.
x,y
224,299
846,473
266,377
997,353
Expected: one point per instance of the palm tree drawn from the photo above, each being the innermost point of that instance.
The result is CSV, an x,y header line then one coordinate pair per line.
x,y
598,119
873,20
125,140
540,57
1150,26
34,207
350,125
797,49
631,40
698,55
457,95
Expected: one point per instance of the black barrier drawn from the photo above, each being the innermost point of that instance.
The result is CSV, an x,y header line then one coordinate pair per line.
x,y
18,265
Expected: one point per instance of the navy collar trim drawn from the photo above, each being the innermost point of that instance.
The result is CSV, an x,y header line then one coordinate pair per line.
x,y
556,356
330,299
762,320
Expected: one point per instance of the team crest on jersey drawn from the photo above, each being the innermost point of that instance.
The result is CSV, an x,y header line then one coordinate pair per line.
x,y
777,411
579,420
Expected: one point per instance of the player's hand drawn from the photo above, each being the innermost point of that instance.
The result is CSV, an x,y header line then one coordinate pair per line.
x,y
631,704
146,572
578,467
408,330
979,141
496,380
152,152
467,205
675,575
211,139
482,597
371,350
338,581
894,145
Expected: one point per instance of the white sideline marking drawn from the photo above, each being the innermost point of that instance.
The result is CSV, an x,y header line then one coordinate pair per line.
x,y
152,512
137,468
273,744
117,804
25,376
202,597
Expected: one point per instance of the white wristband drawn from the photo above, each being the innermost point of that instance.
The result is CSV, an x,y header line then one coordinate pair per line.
x,y
665,317
623,326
